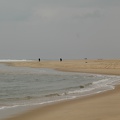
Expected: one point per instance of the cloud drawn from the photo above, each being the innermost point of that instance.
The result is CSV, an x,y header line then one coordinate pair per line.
x,y
16,10
58,27
43,13
60,14
84,13
23,10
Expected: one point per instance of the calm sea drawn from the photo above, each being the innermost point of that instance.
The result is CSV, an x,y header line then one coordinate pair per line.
x,y
22,87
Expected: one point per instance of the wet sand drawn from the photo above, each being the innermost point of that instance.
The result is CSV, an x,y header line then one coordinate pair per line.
x,y
102,106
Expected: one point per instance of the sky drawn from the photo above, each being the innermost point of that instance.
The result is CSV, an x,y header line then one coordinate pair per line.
x,y
50,29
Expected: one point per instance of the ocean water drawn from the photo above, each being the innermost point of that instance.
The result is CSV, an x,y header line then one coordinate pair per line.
x,y
23,87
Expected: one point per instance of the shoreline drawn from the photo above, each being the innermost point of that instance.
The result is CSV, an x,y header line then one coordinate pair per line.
x,y
91,107
106,67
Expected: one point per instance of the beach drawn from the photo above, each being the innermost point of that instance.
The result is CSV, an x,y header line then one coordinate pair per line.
x,y
102,106
109,67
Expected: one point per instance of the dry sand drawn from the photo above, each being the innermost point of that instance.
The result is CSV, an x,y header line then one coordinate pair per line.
x,y
111,67
102,106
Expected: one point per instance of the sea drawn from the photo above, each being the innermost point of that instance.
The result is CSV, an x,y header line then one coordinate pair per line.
x,y
23,88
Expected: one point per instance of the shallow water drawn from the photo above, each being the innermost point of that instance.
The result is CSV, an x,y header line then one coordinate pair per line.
x,y
24,87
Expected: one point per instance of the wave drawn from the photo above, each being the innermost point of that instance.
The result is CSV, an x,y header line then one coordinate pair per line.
x,y
69,92
96,87
13,60
36,103
51,95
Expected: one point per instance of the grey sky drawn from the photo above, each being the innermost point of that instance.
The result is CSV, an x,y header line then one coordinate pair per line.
x,y
51,29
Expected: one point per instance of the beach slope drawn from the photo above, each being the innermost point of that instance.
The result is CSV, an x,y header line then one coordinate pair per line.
x,y
102,106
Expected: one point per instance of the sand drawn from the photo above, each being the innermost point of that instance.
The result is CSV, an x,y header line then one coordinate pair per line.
x,y
111,67
102,106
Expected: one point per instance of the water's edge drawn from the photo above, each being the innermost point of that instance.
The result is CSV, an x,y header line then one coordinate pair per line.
x,y
107,83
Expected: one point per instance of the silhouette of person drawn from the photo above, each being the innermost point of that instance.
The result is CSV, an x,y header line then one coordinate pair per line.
x,y
60,59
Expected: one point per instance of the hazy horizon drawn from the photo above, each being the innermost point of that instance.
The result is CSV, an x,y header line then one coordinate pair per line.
x,y
51,29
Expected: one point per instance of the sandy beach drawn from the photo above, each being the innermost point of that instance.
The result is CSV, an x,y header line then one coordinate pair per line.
x,y
102,106
110,67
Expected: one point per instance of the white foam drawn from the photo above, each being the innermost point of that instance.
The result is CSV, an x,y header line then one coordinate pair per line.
x,y
13,60
80,91
37,103
98,86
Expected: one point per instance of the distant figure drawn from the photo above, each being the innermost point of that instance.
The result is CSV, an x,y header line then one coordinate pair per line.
x,y
39,59
60,59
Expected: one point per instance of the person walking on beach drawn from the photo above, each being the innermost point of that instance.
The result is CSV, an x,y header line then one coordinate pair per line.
x,y
60,59
39,59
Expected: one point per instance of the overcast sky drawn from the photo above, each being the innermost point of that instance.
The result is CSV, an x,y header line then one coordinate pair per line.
x,y
50,29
